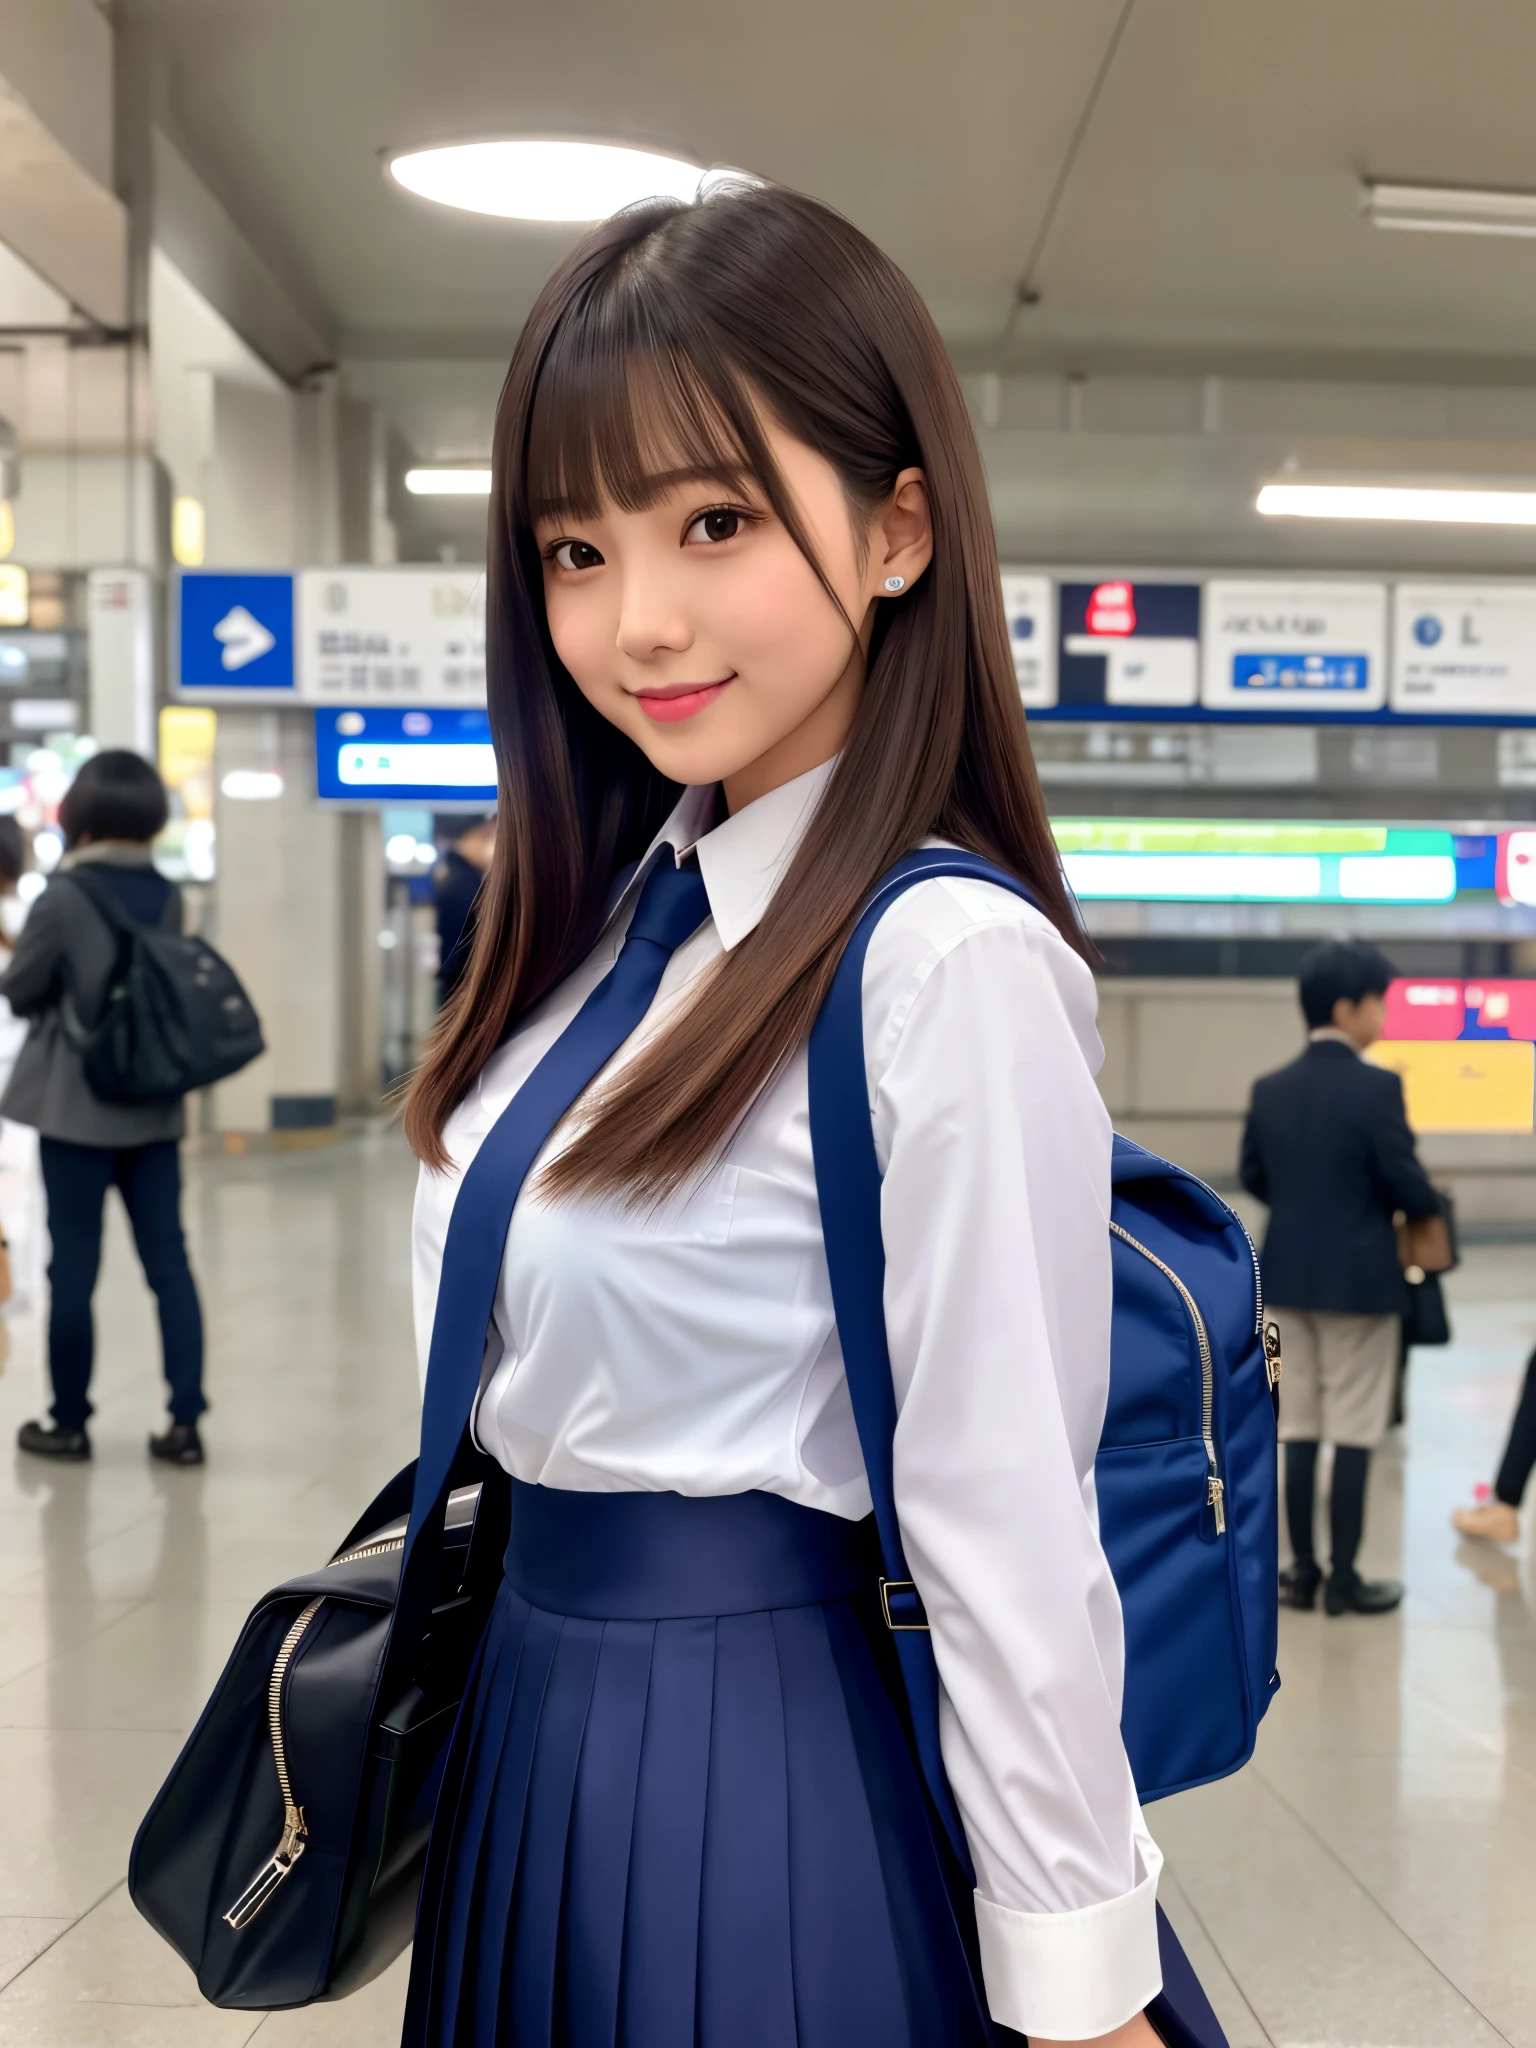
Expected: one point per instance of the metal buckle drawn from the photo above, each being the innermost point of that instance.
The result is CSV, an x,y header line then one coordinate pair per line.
x,y
887,1588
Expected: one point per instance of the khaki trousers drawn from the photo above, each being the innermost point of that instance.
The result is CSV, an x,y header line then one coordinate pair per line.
x,y
1336,1376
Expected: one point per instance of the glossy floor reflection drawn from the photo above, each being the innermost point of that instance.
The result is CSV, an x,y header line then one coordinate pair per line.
x,y
1366,1882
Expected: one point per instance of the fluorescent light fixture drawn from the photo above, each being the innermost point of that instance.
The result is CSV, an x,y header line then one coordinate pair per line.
x,y
533,180
1448,504
448,483
1449,209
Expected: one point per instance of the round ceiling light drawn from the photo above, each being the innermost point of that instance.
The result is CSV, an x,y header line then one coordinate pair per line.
x,y
554,181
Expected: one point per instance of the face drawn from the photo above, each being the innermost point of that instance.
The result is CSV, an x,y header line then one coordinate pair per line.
x,y
699,628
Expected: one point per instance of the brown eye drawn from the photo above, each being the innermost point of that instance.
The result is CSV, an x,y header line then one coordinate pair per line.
x,y
576,554
714,526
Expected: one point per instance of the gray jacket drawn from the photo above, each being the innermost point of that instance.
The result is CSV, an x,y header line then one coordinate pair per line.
x,y
67,946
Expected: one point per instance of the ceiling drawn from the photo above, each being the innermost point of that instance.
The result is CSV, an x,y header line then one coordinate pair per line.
x,y
1177,179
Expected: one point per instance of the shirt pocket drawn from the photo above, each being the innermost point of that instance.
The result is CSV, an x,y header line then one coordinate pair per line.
x,y
699,1214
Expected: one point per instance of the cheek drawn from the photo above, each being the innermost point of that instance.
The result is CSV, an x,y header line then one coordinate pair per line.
x,y
782,627
582,634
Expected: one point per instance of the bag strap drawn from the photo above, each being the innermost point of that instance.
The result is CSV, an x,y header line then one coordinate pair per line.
x,y
103,901
848,1190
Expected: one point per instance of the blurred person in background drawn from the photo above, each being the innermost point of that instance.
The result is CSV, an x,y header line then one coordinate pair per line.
x,y
18,1145
1495,1516
455,885
1328,1148
67,950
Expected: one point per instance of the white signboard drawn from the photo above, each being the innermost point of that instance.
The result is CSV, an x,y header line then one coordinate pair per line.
x,y
1285,648
390,636
1464,648
1029,602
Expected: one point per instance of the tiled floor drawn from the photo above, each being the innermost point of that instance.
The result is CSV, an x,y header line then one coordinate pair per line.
x,y
1369,1880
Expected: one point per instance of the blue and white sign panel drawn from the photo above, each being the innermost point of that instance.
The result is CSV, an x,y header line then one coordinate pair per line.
x,y
234,633
443,758
1029,604
1295,649
1464,649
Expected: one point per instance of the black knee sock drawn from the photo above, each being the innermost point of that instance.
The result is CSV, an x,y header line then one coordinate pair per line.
x,y
1351,1466
1300,1498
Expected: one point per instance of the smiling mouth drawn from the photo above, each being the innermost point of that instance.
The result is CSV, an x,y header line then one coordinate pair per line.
x,y
676,701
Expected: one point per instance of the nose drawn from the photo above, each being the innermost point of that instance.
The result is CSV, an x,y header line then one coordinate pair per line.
x,y
652,621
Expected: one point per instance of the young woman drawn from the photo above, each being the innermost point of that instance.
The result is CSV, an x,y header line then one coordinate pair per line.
x,y
66,953
746,650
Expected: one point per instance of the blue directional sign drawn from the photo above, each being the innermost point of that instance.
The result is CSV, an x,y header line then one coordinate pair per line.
x,y
234,631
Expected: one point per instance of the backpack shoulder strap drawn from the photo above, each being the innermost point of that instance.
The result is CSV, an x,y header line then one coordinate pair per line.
x,y
103,901
848,1191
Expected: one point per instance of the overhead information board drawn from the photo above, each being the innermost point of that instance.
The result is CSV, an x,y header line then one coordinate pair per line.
x,y
1464,648
1125,643
1029,604
402,635
391,636
1190,860
1295,649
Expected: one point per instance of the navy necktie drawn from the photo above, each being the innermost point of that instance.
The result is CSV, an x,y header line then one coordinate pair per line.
x,y
673,904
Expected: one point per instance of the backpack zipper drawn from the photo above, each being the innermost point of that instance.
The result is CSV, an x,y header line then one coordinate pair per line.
x,y
291,1847
1215,1491
1253,1251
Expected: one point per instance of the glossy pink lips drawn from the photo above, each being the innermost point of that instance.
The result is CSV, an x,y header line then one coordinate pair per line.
x,y
668,707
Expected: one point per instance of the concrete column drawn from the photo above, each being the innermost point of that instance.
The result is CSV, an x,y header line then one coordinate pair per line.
x,y
278,920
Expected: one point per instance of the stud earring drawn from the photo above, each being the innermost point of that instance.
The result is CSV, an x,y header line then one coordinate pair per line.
x,y
895,582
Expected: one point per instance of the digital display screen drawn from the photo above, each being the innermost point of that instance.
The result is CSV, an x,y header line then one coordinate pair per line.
x,y
440,758
1173,860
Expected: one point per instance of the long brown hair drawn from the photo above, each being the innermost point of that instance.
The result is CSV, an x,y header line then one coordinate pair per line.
x,y
660,341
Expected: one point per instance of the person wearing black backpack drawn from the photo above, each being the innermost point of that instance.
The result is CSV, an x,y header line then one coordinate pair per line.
x,y
66,967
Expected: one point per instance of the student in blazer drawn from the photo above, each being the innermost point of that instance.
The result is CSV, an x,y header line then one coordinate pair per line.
x,y
1328,1148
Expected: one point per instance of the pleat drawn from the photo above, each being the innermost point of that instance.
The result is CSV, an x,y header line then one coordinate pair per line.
x,y
746,1967
931,1910
602,1831
528,1985
495,1869
502,1637
457,1835
847,1973
657,2001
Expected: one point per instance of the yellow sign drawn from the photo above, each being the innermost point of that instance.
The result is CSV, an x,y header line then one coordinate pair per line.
x,y
1464,1084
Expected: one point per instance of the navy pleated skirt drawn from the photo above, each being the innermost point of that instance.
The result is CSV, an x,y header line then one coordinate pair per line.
x,y
681,1808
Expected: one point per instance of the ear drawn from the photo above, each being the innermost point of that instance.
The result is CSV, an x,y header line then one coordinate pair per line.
x,y
901,537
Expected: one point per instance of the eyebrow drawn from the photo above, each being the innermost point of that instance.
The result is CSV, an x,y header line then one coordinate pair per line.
x,y
647,490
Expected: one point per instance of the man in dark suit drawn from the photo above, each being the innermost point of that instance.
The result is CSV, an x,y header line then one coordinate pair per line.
x,y
1327,1146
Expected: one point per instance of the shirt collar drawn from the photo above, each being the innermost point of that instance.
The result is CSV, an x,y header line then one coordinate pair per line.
x,y
744,858
1330,1034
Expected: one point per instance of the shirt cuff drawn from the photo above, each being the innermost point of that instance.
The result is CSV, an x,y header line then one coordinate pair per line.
x,y
1073,1976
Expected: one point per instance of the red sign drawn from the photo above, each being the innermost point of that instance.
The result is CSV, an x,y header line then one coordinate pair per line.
x,y
1112,609
1433,1009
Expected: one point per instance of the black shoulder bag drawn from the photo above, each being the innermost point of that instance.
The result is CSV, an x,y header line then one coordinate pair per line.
x,y
282,1858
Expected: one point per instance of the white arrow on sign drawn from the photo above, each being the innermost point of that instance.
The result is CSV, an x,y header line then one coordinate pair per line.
x,y
243,638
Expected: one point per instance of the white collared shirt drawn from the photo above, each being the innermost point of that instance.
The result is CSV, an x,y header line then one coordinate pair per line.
x,y
694,1350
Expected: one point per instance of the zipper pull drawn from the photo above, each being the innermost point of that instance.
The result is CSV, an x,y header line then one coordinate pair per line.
x,y
1216,1497
1272,1354
271,1873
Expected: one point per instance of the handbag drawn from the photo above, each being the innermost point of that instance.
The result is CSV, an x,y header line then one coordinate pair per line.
x,y
1427,1245
282,1857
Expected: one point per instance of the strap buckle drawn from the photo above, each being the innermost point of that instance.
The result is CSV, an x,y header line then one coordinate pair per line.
x,y
908,1601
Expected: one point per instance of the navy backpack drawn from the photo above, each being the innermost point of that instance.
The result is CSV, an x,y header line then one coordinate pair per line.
x,y
1186,1468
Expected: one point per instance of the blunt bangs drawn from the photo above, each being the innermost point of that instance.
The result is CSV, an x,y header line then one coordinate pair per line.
x,y
622,412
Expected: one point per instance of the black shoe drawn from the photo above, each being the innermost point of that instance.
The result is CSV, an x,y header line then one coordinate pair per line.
x,y
181,1445
1353,1595
1299,1584
53,1440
